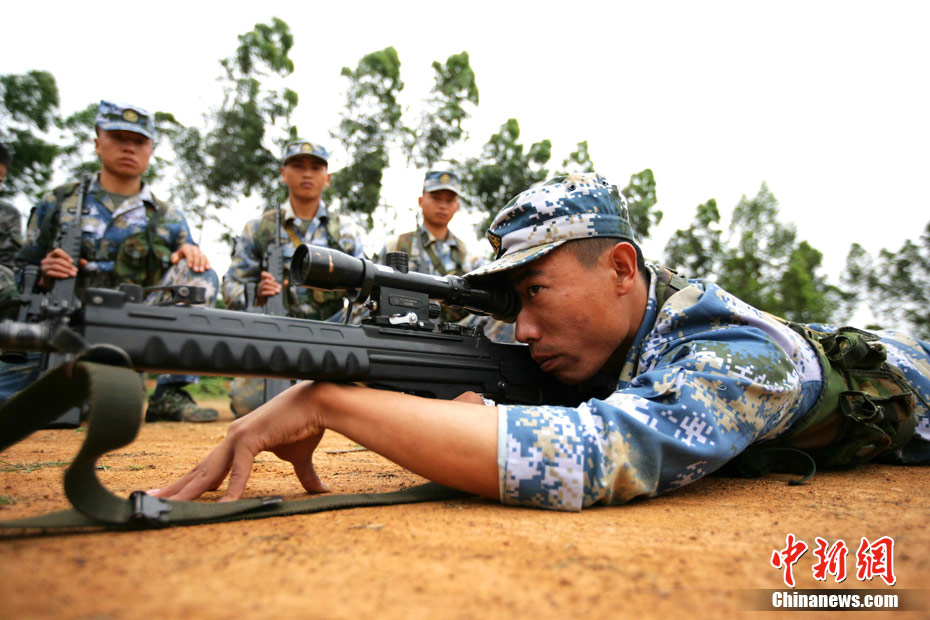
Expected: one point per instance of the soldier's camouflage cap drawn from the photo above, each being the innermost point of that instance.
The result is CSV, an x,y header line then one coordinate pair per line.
x,y
297,148
122,116
436,180
564,208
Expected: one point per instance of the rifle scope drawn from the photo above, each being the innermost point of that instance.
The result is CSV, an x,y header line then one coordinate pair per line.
x,y
332,270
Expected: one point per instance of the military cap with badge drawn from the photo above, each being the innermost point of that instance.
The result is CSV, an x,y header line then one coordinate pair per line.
x,y
304,148
436,180
125,117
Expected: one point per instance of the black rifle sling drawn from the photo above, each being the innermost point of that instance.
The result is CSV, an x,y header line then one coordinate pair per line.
x,y
116,401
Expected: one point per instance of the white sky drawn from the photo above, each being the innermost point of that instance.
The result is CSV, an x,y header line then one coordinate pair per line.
x,y
825,101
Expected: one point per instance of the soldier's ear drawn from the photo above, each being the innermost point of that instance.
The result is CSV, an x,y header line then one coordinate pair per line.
x,y
623,262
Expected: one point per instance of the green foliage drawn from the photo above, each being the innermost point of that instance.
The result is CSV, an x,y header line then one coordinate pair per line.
x,y
759,260
578,160
370,124
214,166
696,251
502,171
25,468
441,124
28,109
210,387
641,198
237,159
895,283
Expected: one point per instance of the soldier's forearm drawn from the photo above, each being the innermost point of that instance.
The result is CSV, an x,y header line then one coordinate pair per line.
x,y
453,443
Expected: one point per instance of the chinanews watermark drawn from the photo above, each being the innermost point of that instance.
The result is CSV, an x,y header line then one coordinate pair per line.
x,y
874,566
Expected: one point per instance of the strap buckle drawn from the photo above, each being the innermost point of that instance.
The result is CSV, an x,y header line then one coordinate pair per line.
x,y
148,509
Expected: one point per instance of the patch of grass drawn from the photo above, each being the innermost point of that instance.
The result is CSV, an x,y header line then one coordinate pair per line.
x,y
7,500
24,467
208,386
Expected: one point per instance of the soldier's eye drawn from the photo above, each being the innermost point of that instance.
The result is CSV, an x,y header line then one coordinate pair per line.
x,y
533,290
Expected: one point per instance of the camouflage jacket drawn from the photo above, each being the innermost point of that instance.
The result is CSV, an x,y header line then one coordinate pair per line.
x,y
128,243
11,233
249,259
428,254
706,376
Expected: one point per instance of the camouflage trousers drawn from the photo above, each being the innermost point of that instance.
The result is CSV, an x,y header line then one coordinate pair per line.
x,y
16,376
246,394
7,288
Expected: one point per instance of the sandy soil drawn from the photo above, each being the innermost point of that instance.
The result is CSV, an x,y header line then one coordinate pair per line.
x,y
701,552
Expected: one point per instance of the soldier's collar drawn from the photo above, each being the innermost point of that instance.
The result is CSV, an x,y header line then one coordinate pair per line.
x,y
427,237
288,212
145,193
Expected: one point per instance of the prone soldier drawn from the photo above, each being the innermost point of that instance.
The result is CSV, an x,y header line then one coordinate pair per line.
x,y
684,379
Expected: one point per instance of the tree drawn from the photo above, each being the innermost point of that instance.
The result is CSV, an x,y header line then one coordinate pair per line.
x,y
503,171
641,198
895,284
213,166
440,125
578,160
758,250
697,251
370,124
759,260
28,109
239,160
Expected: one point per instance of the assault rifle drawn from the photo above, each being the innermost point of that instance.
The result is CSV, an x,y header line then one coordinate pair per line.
x,y
274,305
398,347
60,301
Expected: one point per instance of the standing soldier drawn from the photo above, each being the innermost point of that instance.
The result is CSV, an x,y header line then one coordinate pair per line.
x,y
128,236
432,247
11,236
302,219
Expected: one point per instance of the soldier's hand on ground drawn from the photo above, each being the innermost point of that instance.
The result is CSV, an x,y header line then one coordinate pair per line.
x,y
289,425
196,259
58,265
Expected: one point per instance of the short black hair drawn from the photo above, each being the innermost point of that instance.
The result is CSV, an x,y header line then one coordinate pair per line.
x,y
6,156
588,251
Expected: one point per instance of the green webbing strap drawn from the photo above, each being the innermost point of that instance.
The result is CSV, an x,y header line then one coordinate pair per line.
x,y
115,398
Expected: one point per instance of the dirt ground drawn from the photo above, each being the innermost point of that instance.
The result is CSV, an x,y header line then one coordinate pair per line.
x,y
701,552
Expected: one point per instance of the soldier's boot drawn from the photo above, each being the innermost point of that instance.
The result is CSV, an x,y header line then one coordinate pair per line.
x,y
176,405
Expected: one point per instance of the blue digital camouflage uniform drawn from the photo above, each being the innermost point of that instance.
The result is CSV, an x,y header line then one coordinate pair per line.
x,y
11,240
429,254
115,238
249,255
706,376
301,302
115,244
451,253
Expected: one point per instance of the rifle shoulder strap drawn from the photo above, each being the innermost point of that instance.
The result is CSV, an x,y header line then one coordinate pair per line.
x,y
115,399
